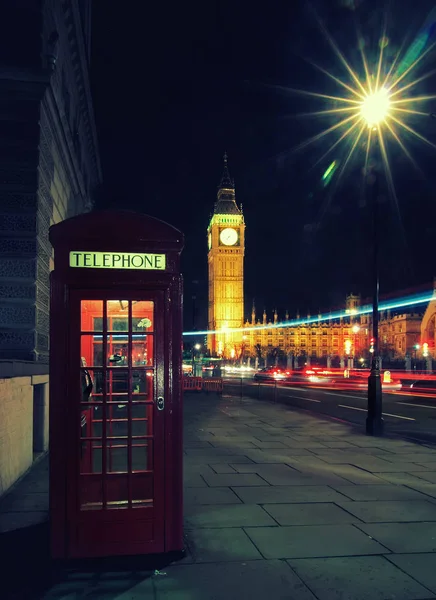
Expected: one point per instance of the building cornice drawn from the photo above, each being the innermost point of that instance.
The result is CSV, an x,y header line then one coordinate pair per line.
x,y
80,66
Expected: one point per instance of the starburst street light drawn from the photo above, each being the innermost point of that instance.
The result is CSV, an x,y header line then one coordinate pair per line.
x,y
375,107
380,95
373,111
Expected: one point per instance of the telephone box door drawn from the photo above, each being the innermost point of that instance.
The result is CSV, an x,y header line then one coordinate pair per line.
x,y
116,409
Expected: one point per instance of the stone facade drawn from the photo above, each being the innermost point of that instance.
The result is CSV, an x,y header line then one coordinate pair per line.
x,y
49,159
49,168
347,336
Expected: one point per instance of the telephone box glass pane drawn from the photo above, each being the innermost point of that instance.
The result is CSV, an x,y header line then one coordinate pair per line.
x,y
142,384
117,384
142,350
91,315
91,421
141,455
117,420
140,427
142,316
91,350
117,315
117,351
91,385
90,457
117,456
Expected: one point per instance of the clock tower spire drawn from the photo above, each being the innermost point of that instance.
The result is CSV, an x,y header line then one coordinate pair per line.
x,y
226,241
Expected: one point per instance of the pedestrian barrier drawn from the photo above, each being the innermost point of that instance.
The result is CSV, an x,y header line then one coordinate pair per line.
x,y
213,384
192,383
197,384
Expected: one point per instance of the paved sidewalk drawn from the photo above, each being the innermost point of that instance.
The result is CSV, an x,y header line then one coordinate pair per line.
x,y
279,504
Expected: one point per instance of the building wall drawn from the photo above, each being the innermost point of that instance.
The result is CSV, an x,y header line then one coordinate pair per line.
x,y
16,429
348,336
49,167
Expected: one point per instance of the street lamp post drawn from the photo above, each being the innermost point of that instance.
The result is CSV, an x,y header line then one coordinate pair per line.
x,y
374,110
416,347
194,348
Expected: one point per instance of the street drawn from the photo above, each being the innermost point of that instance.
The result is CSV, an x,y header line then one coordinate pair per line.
x,y
405,414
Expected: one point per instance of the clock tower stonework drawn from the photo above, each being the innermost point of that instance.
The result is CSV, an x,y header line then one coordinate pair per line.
x,y
226,243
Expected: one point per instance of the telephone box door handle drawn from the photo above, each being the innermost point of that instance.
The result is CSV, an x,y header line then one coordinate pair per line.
x,y
160,403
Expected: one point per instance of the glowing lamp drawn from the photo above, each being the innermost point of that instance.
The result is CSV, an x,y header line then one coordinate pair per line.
x,y
375,107
425,349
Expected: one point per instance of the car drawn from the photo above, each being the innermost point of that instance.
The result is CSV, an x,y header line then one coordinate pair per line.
x,y
423,386
272,374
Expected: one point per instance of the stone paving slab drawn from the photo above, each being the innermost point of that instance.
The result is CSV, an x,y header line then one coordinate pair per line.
x,y
11,521
428,476
379,492
405,478
421,567
221,545
412,458
287,494
193,480
244,443
28,502
228,515
403,537
234,479
221,468
405,511
275,456
358,578
348,472
220,458
196,444
311,514
254,580
224,495
313,541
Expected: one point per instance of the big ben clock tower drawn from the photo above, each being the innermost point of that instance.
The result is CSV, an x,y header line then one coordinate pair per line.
x,y
226,237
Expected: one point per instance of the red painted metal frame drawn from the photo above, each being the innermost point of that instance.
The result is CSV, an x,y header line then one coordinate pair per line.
x,y
117,231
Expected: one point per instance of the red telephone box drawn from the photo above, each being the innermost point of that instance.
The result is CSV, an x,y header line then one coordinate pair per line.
x,y
115,386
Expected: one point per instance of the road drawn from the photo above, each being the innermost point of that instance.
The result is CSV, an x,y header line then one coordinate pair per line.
x,y
413,416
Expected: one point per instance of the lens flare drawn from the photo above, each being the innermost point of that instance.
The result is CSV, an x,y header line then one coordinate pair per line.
x,y
377,95
375,107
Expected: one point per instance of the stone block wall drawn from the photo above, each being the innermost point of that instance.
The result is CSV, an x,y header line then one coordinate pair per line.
x,y
16,429
24,418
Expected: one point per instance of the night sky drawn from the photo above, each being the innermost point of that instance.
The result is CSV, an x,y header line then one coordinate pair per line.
x,y
180,83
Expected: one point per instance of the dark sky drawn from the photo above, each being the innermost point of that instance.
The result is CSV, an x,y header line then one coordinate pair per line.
x,y
178,83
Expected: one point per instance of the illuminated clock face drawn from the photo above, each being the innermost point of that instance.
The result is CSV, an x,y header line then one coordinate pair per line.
x,y
209,240
229,236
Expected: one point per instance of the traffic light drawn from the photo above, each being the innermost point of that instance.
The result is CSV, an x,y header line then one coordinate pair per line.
x,y
425,349
371,345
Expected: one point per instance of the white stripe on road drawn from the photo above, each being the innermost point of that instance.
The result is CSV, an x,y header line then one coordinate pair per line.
x,y
418,405
351,407
303,398
345,395
384,414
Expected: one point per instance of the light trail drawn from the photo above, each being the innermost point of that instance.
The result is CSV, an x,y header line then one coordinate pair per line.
x,y
363,310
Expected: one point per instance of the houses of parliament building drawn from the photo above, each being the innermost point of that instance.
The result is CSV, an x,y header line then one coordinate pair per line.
x,y
232,337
